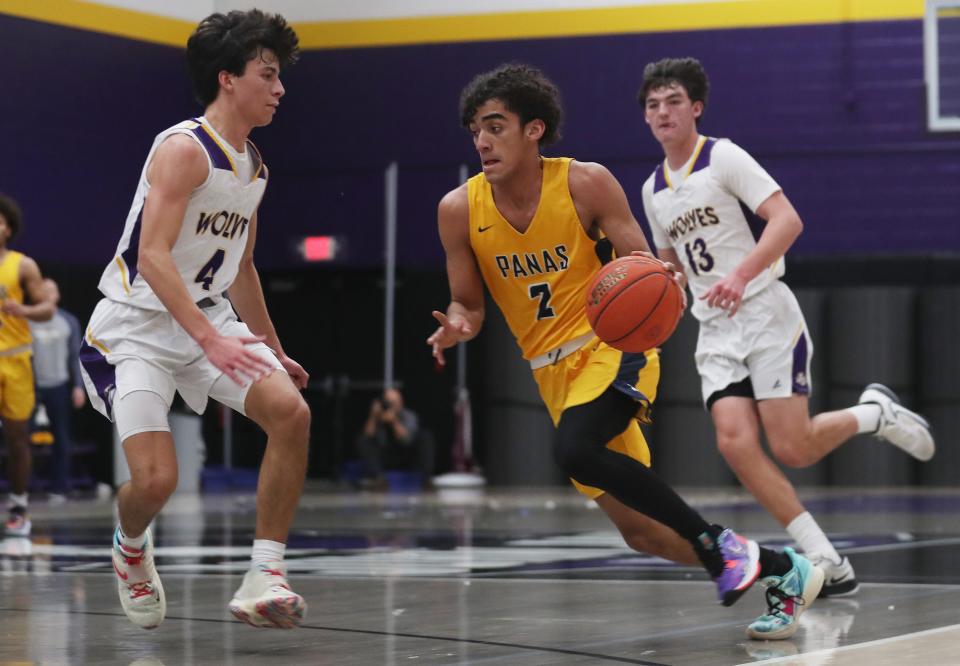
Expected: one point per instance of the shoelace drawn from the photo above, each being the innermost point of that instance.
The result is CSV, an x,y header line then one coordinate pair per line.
x,y
138,590
777,600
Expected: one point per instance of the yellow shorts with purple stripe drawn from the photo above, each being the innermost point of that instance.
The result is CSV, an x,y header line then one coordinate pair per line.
x,y
585,374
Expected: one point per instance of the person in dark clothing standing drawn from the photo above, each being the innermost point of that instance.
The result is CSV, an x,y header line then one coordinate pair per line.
x,y
56,367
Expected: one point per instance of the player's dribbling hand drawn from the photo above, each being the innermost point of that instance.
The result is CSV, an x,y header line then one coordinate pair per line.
x,y
678,276
451,331
231,356
299,376
12,308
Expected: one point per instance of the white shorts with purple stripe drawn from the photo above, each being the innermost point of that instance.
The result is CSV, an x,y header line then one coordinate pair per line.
x,y
766,340
127,349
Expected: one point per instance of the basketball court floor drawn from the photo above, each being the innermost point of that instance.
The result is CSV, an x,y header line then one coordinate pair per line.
x,y
525,578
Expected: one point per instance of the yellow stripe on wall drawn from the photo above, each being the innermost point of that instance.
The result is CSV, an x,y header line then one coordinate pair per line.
x,y
486,27
606,21
99,18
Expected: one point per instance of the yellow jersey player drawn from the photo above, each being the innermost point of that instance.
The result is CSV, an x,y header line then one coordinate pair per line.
x,y
527,227
22,297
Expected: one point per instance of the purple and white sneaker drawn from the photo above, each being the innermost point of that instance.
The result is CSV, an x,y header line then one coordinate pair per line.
x,y
741,566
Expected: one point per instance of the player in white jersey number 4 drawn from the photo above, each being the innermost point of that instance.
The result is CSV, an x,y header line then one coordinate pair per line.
x,y
164,325
754,351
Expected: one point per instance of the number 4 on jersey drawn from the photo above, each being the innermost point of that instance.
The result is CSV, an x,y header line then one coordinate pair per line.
x,y
205,274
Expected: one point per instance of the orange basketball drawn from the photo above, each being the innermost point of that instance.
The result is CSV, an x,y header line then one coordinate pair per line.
x,y
634,304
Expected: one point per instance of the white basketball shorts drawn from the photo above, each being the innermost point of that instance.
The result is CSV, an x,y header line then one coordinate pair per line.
x,y
127,349
766,340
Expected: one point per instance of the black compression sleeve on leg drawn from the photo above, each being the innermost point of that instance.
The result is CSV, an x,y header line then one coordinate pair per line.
x,y
580,449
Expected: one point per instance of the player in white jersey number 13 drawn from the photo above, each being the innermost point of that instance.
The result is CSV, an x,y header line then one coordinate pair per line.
x,y
754,351
165,326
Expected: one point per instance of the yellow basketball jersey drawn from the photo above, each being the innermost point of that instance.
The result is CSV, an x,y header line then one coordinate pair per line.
x,y
539,277
14,331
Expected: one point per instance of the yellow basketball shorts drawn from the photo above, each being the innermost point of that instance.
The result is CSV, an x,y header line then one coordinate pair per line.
x,y
17,396
585,374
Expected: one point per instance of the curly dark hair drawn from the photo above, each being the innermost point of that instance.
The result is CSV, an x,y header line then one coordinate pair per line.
x,y
687,72
525,91
228,41
10,211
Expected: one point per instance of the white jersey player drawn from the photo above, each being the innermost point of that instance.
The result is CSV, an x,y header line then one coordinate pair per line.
x,y
700,213
753,351
208,250
165,325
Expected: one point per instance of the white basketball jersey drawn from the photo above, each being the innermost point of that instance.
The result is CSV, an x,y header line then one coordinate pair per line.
x,y
702,217
214,231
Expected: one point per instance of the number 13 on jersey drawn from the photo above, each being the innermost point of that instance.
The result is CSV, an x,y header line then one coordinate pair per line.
x,y
700,260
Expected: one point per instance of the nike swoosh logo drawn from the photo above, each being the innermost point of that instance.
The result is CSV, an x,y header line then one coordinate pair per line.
x,y
482,229
119,573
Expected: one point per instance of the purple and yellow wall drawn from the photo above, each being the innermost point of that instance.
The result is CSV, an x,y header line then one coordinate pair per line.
x,y
829,96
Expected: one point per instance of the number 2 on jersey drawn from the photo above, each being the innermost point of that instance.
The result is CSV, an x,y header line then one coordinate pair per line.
x,y
703,261
205,274
541,290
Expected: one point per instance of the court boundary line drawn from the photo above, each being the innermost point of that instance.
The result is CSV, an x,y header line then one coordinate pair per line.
x,y
851,648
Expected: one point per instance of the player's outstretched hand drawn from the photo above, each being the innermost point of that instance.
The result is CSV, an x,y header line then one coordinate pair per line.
x,y
727,294
231,356
451,331
299,376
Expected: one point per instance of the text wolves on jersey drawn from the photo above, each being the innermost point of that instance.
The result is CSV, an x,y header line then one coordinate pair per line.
x,y
222,223
692,219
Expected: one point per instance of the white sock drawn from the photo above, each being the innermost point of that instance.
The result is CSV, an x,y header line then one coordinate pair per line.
x,y
811,539
867,415
18,500
265,551
136,543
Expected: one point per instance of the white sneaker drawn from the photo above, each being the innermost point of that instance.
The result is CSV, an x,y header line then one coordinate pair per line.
x,y
839,578
266,600
138,583
18,522
898,425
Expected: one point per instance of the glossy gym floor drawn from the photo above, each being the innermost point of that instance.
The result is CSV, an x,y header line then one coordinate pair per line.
x,y
477,577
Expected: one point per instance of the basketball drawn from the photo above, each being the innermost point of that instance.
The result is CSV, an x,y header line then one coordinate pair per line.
x,y
634,304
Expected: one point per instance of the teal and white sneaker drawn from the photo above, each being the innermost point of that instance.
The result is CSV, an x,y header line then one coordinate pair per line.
x,y
787,598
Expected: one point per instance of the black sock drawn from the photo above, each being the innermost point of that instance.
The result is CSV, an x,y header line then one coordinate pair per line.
x,y
773,563
705,546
